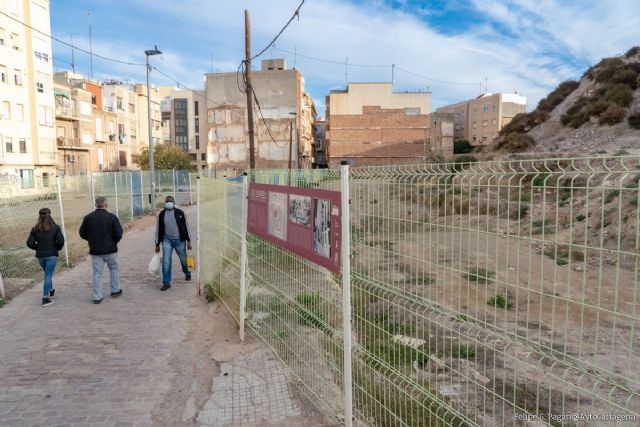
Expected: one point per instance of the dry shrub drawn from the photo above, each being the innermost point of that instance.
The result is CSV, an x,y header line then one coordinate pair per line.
x,y
558,95
614,114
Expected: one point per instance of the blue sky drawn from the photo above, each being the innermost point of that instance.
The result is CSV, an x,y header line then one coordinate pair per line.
x,y
449,47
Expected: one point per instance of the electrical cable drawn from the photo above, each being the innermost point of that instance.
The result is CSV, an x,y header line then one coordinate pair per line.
x,y
296,13
70,45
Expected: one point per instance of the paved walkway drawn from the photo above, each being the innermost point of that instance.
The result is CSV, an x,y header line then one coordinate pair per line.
x,y
147,358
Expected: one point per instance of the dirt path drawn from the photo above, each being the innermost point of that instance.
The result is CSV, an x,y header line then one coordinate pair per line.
x,y
147,358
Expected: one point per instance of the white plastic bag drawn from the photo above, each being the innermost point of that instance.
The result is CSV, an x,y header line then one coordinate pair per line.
x,y
155,265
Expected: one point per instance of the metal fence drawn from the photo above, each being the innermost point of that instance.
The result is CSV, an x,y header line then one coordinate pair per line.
x,y
483,294
70,198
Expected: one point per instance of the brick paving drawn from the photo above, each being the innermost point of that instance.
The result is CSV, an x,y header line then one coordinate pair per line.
x,y
79,364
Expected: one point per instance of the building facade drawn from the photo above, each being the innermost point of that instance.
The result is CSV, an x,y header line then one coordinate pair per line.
x,y
370,124
479,120
285,114
27,132
184,123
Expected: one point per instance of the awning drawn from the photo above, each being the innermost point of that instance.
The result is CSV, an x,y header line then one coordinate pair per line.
x,y
62,92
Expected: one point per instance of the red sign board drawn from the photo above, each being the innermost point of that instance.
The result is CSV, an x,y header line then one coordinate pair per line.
x,y
301,220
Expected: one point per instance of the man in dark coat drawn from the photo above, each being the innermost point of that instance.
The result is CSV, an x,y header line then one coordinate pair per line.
x,y
173,233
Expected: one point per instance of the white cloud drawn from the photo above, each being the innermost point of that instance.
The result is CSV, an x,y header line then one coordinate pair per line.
x,y
531,58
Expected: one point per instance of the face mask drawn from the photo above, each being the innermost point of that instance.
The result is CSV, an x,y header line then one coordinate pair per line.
x,y
168,205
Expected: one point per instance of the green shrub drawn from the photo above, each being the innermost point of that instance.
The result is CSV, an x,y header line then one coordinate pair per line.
x,y
499,301
462,146
580,218
518,142
558,95
479,274
632,52
464,351
634,121
309,312
210,292
607,68
466,159
2,302
611,195
618,93
614,114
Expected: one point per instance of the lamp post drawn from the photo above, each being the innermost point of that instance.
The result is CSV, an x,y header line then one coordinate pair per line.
x,y
152,174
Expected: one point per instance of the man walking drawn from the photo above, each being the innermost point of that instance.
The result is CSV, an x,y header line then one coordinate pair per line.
x,y
173,233
103,231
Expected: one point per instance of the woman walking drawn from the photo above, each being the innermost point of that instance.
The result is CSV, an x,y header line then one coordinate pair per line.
x,y
46,239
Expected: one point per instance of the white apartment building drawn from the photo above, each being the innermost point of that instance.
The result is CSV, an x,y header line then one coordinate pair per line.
x,y
27,118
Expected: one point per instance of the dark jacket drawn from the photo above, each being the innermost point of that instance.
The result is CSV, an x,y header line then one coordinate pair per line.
x,y
102,230
181,220
46,243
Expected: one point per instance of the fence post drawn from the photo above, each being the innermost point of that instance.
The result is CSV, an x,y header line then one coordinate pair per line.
x,y
131,189
199,246
346,295
1,287
64,232
115,181
190,193
243,255
174,183
93,191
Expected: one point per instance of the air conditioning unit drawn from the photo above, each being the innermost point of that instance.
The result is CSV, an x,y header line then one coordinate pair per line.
x,y
72,158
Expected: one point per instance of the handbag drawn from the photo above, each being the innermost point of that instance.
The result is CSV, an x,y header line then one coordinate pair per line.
x,y
191,262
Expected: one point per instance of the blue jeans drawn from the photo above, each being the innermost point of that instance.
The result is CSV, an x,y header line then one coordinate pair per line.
x,y
48,265
168,245
97,263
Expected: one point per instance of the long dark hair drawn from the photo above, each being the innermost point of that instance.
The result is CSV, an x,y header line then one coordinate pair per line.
x,y
45,222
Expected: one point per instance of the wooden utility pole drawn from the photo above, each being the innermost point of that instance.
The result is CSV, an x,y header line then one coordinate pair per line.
x,y
290,147
247,51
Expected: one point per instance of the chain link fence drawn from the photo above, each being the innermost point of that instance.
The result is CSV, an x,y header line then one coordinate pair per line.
x,y
483,294
71,198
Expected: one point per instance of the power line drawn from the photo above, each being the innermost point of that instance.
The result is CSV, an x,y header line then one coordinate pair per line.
x,y
329,61
68,44
434,80
296,13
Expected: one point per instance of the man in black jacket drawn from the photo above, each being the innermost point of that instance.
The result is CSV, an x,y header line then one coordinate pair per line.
x,y
103,232
173,233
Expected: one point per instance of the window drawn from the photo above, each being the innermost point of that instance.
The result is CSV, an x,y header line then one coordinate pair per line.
x,y
3,74
193,157
121,129
495,108
197,142
203,156
26,178
45,179
23,145
5,113
195,108
197,124
86,137
40,87
17,77
475,125
485,123
48,115
42,56
485,108
123,158
3,36
94,99
20,112
16,41
42,115
8,144
132,107
85,108
119,103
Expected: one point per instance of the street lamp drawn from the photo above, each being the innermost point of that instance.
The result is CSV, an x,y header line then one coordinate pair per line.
x,y
152,174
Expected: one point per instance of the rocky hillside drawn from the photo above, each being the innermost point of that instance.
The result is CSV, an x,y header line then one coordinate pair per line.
x,y
598,114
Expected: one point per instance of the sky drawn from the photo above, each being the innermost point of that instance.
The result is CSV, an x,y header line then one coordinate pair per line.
x,y
450,48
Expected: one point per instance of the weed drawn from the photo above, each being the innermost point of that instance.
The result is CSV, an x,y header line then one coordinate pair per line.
x,y
611,195
357,235
479,274
384,244
634,182
211,291
422,279
540,226
499,301
462,317
282,335
580,218
456,190
634,121
541,180
621,152
462,146
2,302
464,352
309,312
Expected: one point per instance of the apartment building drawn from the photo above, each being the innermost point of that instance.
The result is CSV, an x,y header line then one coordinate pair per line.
x,y
27,132
480,119
370,124
184,123
286,113
320,148
443,134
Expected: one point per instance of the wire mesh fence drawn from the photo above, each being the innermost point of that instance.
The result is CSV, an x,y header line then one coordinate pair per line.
x,y
71,198
490,294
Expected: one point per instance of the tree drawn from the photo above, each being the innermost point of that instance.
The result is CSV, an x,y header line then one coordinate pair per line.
x,y
166,156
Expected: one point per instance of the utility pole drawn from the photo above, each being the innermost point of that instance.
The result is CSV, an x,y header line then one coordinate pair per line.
x,y
247,51
152,175
73,62
290,146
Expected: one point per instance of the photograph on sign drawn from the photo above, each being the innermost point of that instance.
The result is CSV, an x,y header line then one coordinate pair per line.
x,y
322,227
300,209
277,220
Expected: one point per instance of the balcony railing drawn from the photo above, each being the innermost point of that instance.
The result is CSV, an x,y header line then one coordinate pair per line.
x,y
66,111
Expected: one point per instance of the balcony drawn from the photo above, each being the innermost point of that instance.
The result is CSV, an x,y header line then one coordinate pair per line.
x,y
70,143
66,111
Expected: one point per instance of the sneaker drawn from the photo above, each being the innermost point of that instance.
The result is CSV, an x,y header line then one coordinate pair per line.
x,y
116,294
46,302
52,292
165,287
187,277
97,301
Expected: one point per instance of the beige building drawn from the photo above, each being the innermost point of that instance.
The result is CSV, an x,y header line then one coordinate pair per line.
x,y
370,124
184,123
480,119
27,133
443,134
288,112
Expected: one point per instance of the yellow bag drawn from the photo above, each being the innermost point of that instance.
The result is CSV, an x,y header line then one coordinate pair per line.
x,y
191,262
